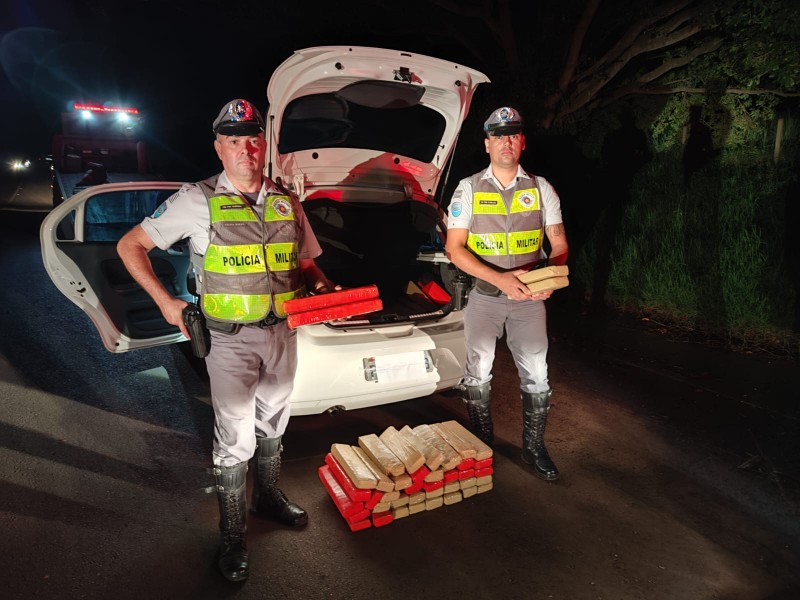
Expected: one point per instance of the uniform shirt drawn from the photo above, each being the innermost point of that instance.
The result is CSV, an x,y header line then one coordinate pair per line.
x,y
185,215
460,209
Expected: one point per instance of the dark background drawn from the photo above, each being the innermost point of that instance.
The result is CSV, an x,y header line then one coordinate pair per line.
x,y
178,62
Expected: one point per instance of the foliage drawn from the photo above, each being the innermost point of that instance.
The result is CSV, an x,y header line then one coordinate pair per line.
x,y
709,256
740,122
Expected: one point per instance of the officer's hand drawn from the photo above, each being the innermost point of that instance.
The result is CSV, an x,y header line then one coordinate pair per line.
x,y
520,291
173,314
512,287
327,288
541,295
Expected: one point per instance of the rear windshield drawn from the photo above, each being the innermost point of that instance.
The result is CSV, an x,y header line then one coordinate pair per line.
x,y
373,119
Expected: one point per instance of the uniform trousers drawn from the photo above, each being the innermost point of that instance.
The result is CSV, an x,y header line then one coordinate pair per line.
x,y
525,325
251,375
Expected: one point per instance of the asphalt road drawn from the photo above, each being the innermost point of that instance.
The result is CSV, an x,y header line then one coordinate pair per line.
x,y
679,463
27,189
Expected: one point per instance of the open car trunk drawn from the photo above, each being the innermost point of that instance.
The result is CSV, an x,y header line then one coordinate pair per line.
x,y
379,244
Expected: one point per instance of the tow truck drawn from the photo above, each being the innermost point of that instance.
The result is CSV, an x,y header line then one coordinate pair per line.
x,y
98,143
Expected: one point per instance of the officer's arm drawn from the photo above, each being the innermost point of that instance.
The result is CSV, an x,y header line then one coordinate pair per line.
x,y
132,249
460,256
316,281
559,248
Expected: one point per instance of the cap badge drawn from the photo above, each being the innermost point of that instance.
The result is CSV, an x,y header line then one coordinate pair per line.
x,y
505,114
240,111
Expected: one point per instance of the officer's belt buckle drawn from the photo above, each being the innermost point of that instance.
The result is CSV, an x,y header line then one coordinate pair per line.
x,y
267,322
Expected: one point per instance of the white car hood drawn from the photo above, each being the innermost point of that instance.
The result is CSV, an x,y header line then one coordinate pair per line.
x,y
366,174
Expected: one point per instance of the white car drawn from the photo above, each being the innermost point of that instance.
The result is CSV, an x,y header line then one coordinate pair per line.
x,y
362,135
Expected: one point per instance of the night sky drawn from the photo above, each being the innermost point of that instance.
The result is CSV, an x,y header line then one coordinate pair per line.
x,y
177,61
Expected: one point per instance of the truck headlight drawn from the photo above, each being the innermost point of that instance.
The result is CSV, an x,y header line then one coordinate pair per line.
x,y
20,165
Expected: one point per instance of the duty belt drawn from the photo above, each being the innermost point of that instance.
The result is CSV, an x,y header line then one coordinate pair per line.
x,y
268,321
487,289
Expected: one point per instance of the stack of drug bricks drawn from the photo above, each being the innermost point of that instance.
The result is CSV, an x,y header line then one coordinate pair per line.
x,y
404,472
546,278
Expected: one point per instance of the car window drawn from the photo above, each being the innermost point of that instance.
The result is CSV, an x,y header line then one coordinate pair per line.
x,y
332,121
108,216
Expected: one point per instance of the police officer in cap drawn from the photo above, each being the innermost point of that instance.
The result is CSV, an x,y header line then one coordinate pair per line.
x,y
497,221
252,250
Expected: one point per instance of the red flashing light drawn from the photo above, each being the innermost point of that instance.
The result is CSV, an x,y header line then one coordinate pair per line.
x,y
106,109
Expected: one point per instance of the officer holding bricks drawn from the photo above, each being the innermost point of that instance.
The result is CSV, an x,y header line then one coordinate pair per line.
x,y
497,221
252,250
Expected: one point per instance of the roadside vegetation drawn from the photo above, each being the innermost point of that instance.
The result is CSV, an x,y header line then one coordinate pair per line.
x,y
711,251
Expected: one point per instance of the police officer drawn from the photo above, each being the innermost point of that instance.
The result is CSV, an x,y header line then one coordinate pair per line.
x,y
252,249
497,221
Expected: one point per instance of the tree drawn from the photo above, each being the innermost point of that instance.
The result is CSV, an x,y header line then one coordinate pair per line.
x,y
587,54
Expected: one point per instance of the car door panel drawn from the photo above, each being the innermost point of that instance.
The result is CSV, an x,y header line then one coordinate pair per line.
x,y
79,241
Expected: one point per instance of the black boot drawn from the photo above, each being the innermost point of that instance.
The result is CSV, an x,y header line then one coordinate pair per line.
x,y
233,558
534,419
268,500
477,398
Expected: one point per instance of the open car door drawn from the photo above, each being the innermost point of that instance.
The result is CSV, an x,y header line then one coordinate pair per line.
x,y
78,241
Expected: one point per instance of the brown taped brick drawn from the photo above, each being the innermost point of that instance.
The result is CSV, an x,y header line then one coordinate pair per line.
x,y
408,454
433,456
452,497
434,503
544,273
398,512
482,450
434,493
416,508
359,473
470,491
450,457
381,455
468,482
385,484
484,488
402,481
462,446
437,475
547,285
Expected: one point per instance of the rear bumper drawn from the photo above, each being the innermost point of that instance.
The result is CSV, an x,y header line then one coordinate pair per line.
x,y
331,370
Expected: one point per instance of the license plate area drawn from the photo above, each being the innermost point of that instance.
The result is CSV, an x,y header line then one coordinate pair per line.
x,y
398,367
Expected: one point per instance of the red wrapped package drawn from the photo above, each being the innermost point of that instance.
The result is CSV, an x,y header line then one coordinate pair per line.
x,y
331,313
298,305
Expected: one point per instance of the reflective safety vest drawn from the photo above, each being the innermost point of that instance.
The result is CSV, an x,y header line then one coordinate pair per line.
x,y
507,225
251,265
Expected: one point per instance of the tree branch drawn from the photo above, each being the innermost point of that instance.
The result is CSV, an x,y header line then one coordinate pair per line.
x,y
575,46
632,34
680,61
639,85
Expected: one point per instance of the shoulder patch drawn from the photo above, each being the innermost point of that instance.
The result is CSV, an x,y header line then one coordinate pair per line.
x,y
160,210
455,209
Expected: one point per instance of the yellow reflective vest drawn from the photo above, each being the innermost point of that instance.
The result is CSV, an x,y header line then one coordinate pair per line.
x,y
507,226
251,265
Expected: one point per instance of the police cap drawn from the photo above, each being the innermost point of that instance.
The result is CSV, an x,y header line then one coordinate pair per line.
x,y
503,121
238,117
